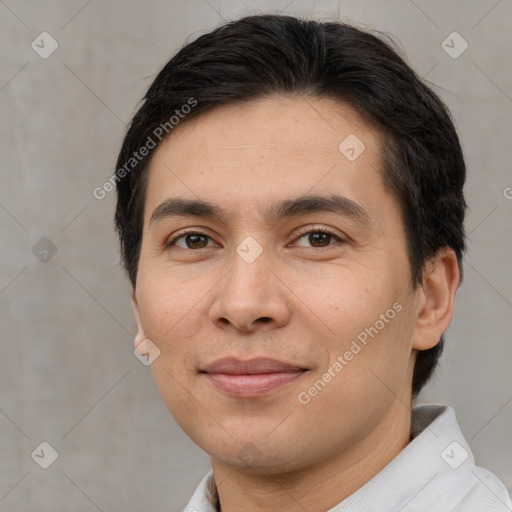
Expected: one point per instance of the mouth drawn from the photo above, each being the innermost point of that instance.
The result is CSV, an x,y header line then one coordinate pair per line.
x,y
252,378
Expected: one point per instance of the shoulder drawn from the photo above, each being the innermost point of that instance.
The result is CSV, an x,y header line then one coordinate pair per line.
x,y
457,483
472,489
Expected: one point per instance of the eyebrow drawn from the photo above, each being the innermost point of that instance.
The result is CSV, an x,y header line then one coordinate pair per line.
x,y
178,207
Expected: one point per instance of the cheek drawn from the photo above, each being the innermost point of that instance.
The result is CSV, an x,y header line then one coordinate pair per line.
x,y
346,300
368,325
169,318
167,302
377,359
368,367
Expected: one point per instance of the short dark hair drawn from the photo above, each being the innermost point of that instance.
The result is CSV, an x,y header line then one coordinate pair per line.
x,y
259,56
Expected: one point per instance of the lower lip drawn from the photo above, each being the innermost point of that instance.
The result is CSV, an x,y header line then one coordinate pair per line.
x,y
252,385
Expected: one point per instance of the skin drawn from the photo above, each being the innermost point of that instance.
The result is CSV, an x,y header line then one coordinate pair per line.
x,y
303,300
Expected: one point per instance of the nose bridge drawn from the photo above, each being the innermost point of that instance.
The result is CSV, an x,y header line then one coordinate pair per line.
x,y
248,278
250,260
250,291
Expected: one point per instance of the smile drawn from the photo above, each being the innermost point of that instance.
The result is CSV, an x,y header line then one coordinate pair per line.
x,y
252,378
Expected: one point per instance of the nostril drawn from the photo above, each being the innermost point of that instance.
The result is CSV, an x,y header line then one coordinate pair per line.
x,y
265,319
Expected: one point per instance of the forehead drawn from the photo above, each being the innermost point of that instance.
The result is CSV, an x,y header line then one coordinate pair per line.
x,y
271,148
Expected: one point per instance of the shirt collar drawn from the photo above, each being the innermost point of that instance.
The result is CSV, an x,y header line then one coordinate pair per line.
x,y
434,429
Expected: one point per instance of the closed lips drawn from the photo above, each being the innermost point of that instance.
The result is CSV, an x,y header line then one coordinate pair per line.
x,y
233,366
251,379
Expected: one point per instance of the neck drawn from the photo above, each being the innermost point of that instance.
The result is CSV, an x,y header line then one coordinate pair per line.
x,y
318,487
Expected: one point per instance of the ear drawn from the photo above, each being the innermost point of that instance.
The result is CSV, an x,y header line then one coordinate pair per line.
x,y
435,298
140,331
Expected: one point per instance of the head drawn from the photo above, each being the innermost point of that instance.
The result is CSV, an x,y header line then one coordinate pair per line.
x,y
244,129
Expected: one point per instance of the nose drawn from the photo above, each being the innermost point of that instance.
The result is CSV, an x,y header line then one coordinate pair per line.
x,y
250,298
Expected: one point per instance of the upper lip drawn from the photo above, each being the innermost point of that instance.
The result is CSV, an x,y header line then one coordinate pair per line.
x,y
234,366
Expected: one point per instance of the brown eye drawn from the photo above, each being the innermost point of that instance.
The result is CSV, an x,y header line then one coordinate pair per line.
x,y
196,241
191,240
319,239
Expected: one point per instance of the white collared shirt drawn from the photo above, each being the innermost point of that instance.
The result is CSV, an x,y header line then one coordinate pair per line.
x,y
435,472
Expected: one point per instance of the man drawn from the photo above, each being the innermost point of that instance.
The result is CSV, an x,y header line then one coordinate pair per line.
x,y
290,211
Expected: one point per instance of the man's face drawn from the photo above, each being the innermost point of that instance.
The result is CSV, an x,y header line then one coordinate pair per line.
x,y
335,311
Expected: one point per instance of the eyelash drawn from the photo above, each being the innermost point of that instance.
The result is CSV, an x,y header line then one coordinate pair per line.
x,y
299,235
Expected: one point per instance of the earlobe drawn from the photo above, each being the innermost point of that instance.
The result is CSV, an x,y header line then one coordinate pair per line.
x,y
140,331
436,298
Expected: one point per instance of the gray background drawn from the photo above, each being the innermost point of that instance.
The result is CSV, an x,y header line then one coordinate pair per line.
x,y
68,375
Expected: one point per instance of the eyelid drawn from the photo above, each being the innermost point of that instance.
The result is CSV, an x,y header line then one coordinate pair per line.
x,y
313,228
